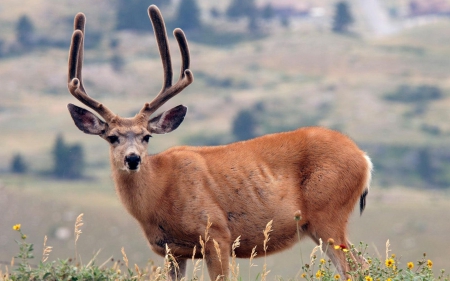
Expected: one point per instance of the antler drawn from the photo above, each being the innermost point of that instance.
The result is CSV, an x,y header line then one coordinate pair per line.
x,y
186,77
75,82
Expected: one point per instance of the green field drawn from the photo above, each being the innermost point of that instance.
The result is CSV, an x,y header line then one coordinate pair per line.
x,y
303,76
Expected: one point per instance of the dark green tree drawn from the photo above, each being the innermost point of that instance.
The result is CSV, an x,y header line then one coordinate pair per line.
x,y
188,15
342,17
132,14
241,8
68,160
244,125
268,12
25,31
18,165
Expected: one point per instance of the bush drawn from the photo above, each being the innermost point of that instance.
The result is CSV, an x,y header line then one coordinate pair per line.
x,y
18,165
419,94
68,160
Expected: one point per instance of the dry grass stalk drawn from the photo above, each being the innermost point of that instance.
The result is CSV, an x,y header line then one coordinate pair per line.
x,y
316,248
124,256
234,267
266,233
195,264
169,262
387,249
47,250
203,245
77,232
252,256
219,256
78,224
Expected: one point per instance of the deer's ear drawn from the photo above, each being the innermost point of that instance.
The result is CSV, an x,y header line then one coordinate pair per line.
x,y
86,121
167,121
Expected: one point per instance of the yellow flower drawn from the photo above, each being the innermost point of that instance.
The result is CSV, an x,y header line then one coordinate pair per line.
x,y
337,276
319,273
345,250
337,247
429,264
368,278
410,265
322,261
303,275
389,279
390,262
16,227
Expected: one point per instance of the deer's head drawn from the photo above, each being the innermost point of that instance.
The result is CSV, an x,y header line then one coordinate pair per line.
x,y
129,137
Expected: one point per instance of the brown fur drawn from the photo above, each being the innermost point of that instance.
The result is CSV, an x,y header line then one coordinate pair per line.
x,y
240,187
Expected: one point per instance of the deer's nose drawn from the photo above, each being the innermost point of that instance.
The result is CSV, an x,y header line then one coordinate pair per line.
x,y
132,161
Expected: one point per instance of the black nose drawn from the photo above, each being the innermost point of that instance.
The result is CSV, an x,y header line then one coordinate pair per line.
x,y
133,161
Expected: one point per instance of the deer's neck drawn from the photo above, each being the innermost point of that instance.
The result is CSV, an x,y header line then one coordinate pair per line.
x,y
139,191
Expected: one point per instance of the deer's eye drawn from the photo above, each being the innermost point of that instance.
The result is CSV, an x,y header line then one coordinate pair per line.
x,y
146,138
113,139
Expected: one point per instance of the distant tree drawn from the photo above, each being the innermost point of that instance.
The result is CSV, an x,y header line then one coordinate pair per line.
x,y
132,14
342,17
241,8
18,165
268,12
418,94
188,15
244,125
25,31
214,12
117,62
68,160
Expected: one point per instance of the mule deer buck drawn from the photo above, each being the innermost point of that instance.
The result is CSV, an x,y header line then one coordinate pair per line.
x,y
239,186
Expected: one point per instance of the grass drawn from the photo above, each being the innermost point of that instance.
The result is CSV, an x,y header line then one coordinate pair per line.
x,y
318,267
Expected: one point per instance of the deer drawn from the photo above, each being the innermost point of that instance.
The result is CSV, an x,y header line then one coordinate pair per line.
x,y
313,171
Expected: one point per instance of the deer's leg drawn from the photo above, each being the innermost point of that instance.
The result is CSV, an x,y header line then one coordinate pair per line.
x,y
359,258
218,267
176,273
337,256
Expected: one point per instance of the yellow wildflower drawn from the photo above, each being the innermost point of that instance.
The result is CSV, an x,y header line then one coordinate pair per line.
x,y
319,273
368,278
16,227
337,247
390,262
303,275
410,265
345,250
337,277
429,264
322,261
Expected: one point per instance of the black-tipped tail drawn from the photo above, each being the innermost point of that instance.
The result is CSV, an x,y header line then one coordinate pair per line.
x,y
362,201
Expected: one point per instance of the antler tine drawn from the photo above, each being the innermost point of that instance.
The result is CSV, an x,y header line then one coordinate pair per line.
x,y
75,82
186,77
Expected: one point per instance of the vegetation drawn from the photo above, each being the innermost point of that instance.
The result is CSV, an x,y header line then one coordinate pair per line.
x,y
68,160
188,15
132,14
343,17
318,267
25,32
18,165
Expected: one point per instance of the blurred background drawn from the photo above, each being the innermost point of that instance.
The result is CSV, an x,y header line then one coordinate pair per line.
x,y
376,70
